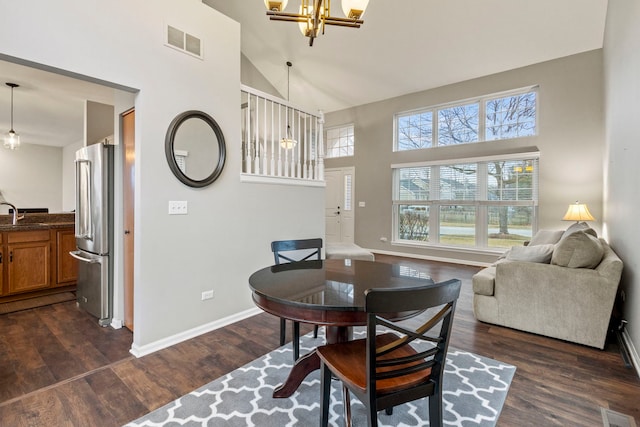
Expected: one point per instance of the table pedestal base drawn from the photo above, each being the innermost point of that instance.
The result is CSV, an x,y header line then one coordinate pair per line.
x,y
311,361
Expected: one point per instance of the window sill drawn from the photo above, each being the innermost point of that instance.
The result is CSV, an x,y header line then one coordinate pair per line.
x,y
455,249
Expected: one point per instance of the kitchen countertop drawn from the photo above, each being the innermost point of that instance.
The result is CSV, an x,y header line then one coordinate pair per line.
x,y
37,221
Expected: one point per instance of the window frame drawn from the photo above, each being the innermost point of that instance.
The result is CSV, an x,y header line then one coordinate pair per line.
x,y
352,130
481,202
482,116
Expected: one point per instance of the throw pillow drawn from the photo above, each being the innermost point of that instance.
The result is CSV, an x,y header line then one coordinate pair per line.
x,y
578,250
536,253
578,226
544,237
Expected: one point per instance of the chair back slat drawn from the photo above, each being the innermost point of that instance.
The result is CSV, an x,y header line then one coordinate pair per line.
x,y
309,248
398,358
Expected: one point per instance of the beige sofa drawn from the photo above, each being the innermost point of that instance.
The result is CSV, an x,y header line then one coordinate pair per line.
x,y
564,289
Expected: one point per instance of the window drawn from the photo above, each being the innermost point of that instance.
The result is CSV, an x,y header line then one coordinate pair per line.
x,y
477,204
511,116
340,141
488,118
458,125
414,130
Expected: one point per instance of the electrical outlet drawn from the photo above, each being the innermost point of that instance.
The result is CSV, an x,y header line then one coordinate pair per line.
x,y
178,207
383,239
207,295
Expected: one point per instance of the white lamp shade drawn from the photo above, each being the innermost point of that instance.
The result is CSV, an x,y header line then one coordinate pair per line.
x,y
578,212
354,8
11,140
288,143
277,5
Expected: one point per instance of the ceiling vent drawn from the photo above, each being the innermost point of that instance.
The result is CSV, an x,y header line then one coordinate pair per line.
x,y
184,42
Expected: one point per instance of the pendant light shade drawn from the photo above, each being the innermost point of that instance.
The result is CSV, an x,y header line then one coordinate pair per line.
x,y
288,142
354,9
11,138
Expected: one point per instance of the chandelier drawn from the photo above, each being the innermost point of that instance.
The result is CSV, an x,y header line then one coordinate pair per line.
x,y
315,14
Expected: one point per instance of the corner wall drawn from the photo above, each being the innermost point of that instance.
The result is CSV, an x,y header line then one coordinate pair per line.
x,y
622,175
570,139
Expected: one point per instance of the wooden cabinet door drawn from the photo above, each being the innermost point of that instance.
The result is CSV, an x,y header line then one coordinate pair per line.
x,y
28,266
2,264
66,265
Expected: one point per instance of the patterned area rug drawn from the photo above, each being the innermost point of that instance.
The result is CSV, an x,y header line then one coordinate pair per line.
x,y
475,389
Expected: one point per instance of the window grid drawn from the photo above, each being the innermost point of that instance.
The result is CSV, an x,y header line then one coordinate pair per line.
x,y
340,141
485,204
506,115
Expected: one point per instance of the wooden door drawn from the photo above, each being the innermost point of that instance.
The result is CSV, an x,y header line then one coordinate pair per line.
x,y
128,182
66,265
29,264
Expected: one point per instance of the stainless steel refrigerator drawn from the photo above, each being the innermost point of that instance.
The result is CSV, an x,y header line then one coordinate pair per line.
x,y
94,230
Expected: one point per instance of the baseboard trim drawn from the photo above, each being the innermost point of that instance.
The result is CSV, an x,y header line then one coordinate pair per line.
x,y
431,258
139,351
631,349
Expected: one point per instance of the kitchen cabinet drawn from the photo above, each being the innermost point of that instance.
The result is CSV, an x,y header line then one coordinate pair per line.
x,y
28,261
35,261
1,266
66,265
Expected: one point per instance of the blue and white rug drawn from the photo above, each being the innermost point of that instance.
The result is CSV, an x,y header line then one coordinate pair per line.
x,y
475,389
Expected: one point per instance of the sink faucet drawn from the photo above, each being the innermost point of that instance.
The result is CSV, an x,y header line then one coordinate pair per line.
x,y
16,218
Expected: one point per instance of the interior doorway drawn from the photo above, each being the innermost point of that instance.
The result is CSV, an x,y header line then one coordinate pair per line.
x,y
339,213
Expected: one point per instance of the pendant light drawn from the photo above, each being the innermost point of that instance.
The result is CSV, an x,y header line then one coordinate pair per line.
x,y
288,142
11,138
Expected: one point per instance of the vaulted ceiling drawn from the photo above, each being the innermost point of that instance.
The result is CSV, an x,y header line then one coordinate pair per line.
x,y
404,46
407,46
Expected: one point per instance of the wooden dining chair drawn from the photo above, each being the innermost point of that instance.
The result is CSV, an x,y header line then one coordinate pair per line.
x,y
295,251
387,368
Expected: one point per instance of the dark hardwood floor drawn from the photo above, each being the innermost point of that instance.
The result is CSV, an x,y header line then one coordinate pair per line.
x,y
58,368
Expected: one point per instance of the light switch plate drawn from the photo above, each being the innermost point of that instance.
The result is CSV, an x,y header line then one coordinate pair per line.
x,y
178,207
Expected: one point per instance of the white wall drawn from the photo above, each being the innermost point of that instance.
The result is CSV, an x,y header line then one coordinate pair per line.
x,y
31,177
622,175
227,232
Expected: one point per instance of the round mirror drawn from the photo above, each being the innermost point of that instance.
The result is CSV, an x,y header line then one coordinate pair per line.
x,y
195,148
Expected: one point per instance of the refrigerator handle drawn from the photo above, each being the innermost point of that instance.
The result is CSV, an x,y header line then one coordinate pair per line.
x,y
84,200
76,255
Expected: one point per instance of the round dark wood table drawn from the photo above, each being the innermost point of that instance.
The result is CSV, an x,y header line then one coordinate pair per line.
x,y
329,293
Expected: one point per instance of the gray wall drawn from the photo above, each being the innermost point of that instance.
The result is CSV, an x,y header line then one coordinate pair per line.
x,y
621,201
251,76
570,140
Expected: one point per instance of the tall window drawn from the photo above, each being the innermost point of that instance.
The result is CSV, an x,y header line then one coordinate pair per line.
x,y
484,204
340,141
503,116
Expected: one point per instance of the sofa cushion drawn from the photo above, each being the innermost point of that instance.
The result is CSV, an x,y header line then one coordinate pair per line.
x,y
483,281
544,237
535,253
578,250
579,226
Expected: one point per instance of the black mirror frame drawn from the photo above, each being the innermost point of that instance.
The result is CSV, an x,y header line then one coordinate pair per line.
x,y
169,148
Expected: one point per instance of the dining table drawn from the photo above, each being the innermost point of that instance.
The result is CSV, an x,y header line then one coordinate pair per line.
x,y
329,293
